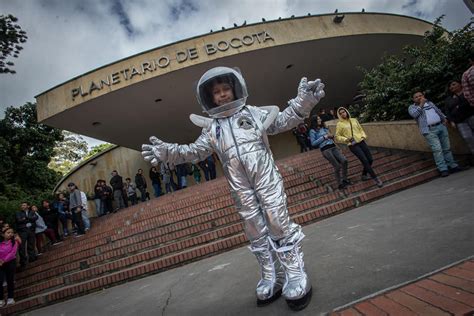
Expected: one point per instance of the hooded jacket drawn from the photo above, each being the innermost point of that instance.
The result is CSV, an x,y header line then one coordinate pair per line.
x,y
347,129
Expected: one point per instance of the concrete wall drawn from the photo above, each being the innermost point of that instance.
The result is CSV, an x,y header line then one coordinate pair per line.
x,y
403,135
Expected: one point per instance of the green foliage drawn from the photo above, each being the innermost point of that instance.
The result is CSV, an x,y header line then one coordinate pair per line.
x,y
389,87
68,152
98,149
26,148
11,36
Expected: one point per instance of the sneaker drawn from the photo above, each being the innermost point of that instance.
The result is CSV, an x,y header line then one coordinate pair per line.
x,y
378,182
10,301
456,169
365,177
347,182
39,254
58,242
2,302
79,235
342,186
444,173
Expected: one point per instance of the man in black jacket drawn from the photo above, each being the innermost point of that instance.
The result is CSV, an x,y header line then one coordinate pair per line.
x,y
25,226
140,181
117,186
50,216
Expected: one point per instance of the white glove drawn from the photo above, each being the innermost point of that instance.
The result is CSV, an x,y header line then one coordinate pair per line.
x,y
156,152
309,94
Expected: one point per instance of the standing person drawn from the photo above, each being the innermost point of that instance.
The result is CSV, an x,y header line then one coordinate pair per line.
x,y
75,208
140,181
181,174
166,175
155,181
351,133
41,230
25,225
116,182
322,138
431,122
301,134
85,212
62,205
8,248
237,132
50,217
106,197
468,81
460,114
99,205
196,173
131,191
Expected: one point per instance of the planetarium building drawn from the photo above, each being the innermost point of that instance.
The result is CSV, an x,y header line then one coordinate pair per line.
x,y
153,93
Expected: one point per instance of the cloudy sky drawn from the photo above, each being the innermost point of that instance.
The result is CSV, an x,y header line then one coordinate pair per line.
x,y
68,38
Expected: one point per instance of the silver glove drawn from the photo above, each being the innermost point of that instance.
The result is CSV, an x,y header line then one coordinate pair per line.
x,y
156,152
309,94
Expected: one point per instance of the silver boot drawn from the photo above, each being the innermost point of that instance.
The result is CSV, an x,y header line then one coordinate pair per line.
x,y
272,276
297,289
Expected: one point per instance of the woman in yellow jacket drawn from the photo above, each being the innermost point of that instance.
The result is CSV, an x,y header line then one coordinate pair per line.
x,y
351,133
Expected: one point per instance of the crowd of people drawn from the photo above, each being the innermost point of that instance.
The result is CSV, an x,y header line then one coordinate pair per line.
x,y
163,180
458,112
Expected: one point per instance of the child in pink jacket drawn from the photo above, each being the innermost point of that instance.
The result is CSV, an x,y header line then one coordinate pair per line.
x,y
8,248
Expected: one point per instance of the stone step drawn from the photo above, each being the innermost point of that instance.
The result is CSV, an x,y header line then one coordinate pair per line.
x,y
85,271
201,251
74,259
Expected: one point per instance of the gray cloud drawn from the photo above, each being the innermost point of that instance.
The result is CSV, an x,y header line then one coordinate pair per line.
x,y
68,38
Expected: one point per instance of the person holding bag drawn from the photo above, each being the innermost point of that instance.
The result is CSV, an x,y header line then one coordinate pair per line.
x,y
351,133
321,138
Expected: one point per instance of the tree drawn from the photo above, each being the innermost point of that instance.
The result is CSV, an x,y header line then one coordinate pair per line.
x,y
389,87
68,152
98,149
26,147
11,36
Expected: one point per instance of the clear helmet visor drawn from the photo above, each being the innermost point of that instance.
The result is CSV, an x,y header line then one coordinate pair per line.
x,y
221,91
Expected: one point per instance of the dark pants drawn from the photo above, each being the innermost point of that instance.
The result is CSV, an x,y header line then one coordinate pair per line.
x,y
28,240
362,152
133,199
142,194
77,219
63,219
7,272
338,161
40,238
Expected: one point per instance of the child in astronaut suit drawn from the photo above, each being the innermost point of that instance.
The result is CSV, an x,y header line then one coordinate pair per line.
x,y
238,134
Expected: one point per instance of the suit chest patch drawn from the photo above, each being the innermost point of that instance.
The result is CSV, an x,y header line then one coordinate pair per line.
x,y
245,122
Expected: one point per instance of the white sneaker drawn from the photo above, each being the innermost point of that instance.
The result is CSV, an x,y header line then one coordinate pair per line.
x,y
10,301
2,302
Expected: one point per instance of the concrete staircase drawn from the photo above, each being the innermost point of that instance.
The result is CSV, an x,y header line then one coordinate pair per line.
x,y
199,222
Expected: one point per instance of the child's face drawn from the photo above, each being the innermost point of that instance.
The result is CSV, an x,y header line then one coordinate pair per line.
x,y
8,234
222,93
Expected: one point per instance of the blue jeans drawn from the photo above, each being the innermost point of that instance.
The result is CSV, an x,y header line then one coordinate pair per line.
x,y
438,139
99,209
157,189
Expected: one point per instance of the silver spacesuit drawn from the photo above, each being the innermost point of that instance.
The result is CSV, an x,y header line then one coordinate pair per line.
x,y
238,134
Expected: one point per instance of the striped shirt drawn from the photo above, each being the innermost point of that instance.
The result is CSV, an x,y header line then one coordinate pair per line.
x,y
419,114
468,85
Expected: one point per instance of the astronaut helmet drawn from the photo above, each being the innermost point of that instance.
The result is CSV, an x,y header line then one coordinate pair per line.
x,y
218,77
